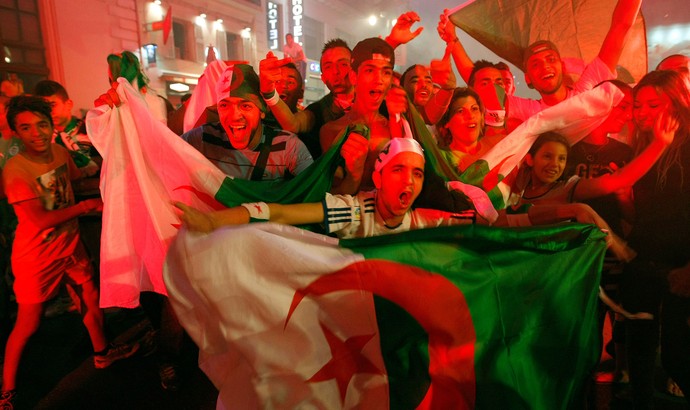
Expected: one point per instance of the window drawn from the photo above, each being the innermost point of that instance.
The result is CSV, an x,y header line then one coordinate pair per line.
x,y
21,44
184,48
312,41
233,46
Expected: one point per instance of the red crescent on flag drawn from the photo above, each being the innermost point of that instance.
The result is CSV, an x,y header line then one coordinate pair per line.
x,y
437,305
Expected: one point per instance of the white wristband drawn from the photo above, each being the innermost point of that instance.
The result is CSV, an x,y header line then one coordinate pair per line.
x,y
275,98
258,211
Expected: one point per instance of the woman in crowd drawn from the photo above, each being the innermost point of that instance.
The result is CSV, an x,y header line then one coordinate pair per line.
x,y
541,178
660,235
462,130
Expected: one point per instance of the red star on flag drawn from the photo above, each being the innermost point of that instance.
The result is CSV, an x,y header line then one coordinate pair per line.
x,y
346,362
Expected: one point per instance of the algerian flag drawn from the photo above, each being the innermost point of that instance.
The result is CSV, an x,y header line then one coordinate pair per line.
x,y
446,318
577,27
204,94
146,167
574,118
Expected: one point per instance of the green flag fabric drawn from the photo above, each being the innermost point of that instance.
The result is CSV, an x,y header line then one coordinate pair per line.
x,y
456,317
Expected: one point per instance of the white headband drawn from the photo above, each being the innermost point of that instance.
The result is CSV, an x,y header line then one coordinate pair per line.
x,y
395,147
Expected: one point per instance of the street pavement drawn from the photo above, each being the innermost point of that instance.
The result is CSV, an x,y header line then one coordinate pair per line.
x,y
57,372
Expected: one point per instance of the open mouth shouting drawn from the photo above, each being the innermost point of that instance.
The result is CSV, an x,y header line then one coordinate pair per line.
x,y
405,198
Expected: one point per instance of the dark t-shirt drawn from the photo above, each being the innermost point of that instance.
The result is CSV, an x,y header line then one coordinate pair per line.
x,y
662,212
591,161
324,111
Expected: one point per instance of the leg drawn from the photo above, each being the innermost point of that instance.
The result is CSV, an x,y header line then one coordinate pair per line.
x,y
675,341
28,319
92,315
641,288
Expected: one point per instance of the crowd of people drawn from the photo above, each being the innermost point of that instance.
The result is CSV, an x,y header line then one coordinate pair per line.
x,y
627,175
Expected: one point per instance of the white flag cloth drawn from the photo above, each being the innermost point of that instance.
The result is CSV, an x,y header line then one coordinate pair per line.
x,y
145,167
234,299
204,94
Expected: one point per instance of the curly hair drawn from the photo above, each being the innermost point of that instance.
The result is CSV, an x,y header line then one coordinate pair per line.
x,y
23,103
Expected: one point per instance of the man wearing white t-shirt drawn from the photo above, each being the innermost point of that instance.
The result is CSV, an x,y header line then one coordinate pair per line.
x,y
294,50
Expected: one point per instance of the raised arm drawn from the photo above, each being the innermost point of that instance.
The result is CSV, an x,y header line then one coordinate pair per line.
x,y
402,33
441,74
665,128
269,73
446,30
624,16
291,214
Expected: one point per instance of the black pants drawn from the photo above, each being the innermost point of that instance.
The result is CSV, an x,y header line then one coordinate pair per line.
x,y
675,340
642,288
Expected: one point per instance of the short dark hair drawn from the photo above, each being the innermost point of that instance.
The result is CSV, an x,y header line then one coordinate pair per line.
x,y
300,80
549,136
404,74
479,65
24,103
334,43
502,66
48,88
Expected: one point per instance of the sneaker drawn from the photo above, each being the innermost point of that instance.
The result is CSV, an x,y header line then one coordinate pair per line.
x,y
170,380
7,400
673,389
115,352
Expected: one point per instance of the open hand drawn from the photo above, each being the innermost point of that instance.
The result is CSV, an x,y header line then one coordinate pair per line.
x,y
194,219
402,33
665,127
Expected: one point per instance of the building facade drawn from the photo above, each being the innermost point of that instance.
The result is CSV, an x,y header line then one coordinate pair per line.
x,y
68,40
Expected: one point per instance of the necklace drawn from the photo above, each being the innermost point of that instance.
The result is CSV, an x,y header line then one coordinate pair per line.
x,y
592,154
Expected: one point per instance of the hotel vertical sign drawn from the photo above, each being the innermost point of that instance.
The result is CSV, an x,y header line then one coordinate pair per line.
x,y
273,20
296,13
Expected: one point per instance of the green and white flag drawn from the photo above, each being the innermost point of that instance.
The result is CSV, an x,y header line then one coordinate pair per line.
x,y
146,167
460,317
577,27
574,118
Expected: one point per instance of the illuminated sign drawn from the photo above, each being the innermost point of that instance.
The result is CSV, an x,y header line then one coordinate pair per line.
x,y
297,13
314,67
272,17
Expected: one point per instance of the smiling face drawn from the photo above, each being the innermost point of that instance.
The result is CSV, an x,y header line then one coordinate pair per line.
x,y
241,120
548,162
398,184
418,85
335,69
35,131
373,79
544,72
648,106
466,122
289,88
